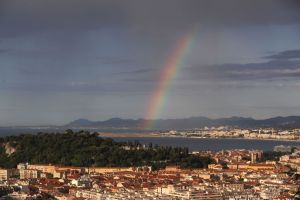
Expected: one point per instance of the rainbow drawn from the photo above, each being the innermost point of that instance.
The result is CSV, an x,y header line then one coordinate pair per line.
x,y
169,72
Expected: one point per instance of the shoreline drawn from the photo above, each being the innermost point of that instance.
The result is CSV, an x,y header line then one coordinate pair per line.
x,y
142,135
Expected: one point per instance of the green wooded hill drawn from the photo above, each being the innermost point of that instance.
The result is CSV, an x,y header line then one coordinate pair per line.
x,y
87,149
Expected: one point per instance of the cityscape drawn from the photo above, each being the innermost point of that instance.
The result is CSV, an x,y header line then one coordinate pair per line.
x,y
237,174
227,174
227,132
150,100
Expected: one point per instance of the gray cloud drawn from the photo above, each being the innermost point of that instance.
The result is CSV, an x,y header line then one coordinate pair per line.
x,y
27,17
280,67
275,69
33,15
290,54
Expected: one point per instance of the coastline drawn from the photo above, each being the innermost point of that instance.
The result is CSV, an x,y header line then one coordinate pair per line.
x,y
152,135
127,135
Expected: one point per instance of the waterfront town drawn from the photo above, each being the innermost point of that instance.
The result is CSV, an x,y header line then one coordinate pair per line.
x,y
232,132
235,174
149,100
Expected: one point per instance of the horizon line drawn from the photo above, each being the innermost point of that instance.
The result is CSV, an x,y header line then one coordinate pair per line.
x,y
143,119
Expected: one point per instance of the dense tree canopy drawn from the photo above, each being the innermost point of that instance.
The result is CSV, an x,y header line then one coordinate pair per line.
x,y
88,149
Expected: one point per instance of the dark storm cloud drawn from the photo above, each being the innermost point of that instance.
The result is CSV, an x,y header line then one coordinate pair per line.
x,y
280,67
28,16
19,17
290,54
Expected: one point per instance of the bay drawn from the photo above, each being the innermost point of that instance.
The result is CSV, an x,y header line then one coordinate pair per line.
x,y
214,144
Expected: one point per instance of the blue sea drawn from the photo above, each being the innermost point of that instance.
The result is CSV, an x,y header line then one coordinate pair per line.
x,y
195,144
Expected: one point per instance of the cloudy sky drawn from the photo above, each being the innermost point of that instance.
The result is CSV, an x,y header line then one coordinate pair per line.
x,y
66,59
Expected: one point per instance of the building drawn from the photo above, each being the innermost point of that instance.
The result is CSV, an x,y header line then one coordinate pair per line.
x,y
215,166
88,194
256,156
282,148
5,174
109,169
43,168
59,174
172,168
83,181
29,174
254,167
190,194
22,166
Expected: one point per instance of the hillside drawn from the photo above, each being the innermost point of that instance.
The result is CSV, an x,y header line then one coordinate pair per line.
x,y
192,122
86,149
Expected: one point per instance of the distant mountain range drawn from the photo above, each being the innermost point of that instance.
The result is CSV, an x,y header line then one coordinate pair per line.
x,y
188,123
